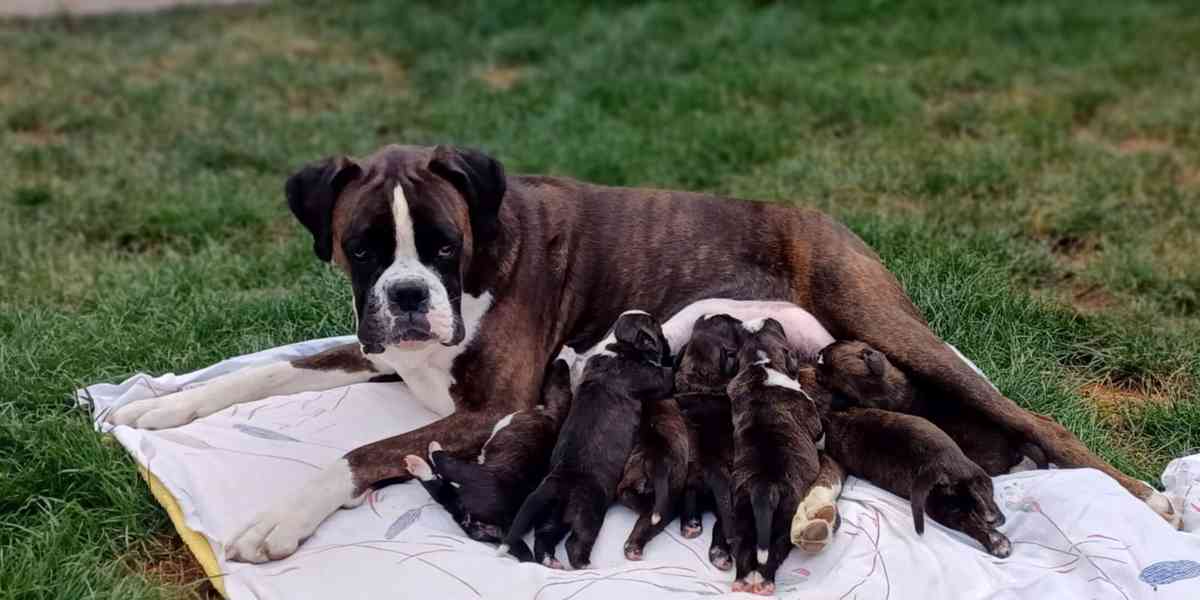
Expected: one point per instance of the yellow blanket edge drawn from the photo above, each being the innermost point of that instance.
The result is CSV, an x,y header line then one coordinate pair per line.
x,y
195,542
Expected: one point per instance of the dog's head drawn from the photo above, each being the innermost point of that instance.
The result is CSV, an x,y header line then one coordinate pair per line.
x,y
710,358
405,224
962,499
864,376
643,355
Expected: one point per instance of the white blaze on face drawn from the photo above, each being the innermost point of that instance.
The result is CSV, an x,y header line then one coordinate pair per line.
x,y
407,267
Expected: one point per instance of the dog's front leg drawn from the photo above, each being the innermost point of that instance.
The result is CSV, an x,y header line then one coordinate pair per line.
x,y
276,533
336,367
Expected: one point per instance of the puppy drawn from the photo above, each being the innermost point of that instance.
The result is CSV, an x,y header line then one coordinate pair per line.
x,y
860,375
655,473
910,457
483,495
704,367
596,440
775,461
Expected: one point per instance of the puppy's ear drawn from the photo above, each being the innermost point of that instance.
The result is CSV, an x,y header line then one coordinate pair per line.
x,y
729,363
792,363
876,361
480,180
772,325
312,193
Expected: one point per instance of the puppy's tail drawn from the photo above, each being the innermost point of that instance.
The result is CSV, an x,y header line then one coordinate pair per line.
x,y
920,494
662,491
536,505
763,503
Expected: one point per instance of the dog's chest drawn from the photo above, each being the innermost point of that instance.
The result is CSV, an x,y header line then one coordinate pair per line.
x,y
428,372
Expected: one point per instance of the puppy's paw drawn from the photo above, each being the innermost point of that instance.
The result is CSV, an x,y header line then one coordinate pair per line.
x,y
418,468
552,563
633,551
813,532
720,558
691,528
998,545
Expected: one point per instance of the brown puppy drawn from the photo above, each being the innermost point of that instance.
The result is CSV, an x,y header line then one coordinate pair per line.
x,y
596,440
655,473
484,495
704,367
775,461
860,375
910,457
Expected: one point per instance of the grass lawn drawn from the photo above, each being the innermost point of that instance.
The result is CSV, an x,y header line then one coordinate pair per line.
x,y
1031,171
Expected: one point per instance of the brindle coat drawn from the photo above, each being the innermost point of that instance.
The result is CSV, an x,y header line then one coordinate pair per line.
x,y
656,472
865,377
910,457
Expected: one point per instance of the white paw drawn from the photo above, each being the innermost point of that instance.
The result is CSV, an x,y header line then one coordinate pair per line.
x,y
163,412
277,533
1161,504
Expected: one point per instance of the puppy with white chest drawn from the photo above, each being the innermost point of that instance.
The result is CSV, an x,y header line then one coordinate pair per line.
x,y
596,440
484,495
910,457
775,460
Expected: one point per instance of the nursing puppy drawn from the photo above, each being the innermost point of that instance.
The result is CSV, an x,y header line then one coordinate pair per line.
x,y
910,457
484,495
775,461
596,440
862,376
656,472
704,367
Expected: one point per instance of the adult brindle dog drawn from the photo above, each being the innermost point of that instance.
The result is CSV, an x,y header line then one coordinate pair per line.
x,y
467,282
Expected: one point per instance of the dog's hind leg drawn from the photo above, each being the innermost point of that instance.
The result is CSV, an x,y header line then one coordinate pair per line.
x,y
546,537
585,526
855,297
720,554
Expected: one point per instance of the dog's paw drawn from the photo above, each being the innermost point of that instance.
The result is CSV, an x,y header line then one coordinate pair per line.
x,y
552,563
1162,506
813,527
633,552
417,467
998,545
720,558
691,528
163,412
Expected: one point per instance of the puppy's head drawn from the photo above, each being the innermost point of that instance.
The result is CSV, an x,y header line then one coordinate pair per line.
x,y
963,499
864,376
710,358
765,343
406,225
643,354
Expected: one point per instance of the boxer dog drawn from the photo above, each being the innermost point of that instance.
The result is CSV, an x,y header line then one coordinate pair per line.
x,y
865,377
596,440
910,457
655,473
775,459
484,495
466,282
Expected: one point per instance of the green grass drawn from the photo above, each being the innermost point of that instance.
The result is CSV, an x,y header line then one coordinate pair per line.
x,y
1031,171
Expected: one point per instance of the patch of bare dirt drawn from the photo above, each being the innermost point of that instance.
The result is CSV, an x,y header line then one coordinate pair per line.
x,y
168,561
1092,298
502,79
1136,145
1113,401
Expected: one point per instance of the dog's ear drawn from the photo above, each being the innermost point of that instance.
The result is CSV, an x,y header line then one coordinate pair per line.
x,y
480,180
729,362
792,360
312,193
876,361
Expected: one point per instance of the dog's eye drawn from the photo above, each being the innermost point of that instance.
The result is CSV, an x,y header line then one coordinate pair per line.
x,y
446,252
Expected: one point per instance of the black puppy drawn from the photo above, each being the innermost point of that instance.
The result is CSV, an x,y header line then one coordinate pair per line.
x,y
910,457
596,440
704,367
655,473
860,375
483,496
775,462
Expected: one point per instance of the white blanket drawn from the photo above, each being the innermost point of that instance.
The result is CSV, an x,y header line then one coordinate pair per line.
x,y
1076,534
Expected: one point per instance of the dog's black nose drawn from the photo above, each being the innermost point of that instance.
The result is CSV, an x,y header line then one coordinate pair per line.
x,y
409,297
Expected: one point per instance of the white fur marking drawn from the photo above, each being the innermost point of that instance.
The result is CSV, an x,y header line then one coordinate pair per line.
x,y
777,379
754,578
762,358
418,467
763,554
501,424
634,312
655,519
754,325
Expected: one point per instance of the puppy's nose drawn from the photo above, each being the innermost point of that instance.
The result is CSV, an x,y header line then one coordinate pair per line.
x,y
409,297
